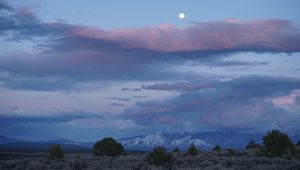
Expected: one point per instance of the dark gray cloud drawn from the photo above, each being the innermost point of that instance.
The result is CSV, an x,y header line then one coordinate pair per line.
x,y
118,99
141,97
22,25
131,89
118,105
5,6
248,86
178,86
18,116
79,125
18,82
235,63
239,103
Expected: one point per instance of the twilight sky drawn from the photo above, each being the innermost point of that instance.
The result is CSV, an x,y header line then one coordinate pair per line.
x,y
85,70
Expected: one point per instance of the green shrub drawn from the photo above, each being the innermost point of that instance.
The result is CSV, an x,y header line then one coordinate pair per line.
x,y
260,150
56,152
108,146
217,148
297,152
251,145
160,157
176,150
230,152
192,150
276,144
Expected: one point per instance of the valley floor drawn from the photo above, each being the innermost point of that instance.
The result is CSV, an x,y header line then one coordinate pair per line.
x,y
226,159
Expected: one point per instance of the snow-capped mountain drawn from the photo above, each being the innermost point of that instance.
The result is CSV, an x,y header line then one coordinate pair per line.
x,y
204,140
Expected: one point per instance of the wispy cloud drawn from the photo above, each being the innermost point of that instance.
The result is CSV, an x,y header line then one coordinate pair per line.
x,y
118,99
131,89
119,105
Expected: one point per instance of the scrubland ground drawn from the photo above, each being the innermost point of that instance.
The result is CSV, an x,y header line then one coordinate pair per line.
x,y
226,159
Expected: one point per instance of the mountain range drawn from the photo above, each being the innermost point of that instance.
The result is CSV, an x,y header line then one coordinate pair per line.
x,y
182,140
203,140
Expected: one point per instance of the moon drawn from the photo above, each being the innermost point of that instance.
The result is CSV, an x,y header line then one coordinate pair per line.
x,y
181,15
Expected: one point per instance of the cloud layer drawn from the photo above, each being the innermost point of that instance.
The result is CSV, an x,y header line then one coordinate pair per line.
x,y
72,53
252,102
140,65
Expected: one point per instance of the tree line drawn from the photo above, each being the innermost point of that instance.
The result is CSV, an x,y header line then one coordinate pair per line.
x,y
275,144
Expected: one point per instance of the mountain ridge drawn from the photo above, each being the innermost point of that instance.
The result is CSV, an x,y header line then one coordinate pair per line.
x,y
203,140
5,139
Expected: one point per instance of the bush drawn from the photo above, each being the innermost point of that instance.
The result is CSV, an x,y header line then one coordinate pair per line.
x,y
297,152
276,144
251,145
176,150
260,150
217,148
36,165
192,150
109,147
160,157
298,143
230,152
56,152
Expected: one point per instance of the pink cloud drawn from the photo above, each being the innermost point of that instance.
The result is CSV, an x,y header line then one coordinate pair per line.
x,y
268,35
228,35
286,100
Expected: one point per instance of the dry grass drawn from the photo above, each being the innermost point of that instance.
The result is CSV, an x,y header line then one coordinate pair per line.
x,y
224,160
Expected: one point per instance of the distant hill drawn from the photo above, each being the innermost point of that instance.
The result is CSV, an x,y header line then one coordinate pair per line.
x,y
4,140
39,147
69,142
12,144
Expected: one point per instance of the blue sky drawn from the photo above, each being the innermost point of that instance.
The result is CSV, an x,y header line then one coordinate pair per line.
x,y
135,13
84,71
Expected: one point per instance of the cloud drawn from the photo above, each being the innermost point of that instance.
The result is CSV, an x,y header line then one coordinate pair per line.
x,y
238,103
97,123
76,124
271,35
80,128
286,99
20,115
215,37
234,63
5,6
178,86
118,99
118,105
36,83
246,86
131,89
140,97
211,37
69,54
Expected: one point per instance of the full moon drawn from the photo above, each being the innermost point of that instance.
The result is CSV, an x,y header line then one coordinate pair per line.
x,y
181,15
